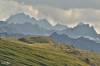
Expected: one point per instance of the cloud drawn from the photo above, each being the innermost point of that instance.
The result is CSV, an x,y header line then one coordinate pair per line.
x,y
6,8
69,16
29,9
10,7
65,4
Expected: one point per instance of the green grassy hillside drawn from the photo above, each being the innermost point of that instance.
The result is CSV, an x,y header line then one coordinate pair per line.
x,y
17,53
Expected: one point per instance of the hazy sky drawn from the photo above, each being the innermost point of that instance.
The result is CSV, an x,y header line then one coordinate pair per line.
x,y
67,12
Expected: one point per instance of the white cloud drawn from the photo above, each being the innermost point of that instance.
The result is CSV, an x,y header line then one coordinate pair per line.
x,y
7,7
65,4
10,7
29,9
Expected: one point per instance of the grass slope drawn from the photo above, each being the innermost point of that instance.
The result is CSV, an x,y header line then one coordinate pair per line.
x,y
16,53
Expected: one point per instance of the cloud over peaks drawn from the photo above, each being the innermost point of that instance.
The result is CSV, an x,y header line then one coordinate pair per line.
x,y
10,7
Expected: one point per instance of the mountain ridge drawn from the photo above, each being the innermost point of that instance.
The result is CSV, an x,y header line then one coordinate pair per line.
x,y
15,23
30,26
81,42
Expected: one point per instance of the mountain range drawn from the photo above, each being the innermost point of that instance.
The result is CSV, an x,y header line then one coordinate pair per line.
x,y
81,42
20,25
24,24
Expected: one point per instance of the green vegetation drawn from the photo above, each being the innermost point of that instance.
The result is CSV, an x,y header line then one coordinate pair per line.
x,y
47,53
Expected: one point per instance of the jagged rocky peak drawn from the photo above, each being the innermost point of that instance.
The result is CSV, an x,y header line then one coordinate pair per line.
x,y
20,18
84,24
18,15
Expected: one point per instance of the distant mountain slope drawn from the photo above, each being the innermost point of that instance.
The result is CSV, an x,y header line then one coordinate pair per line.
x,y
29,29
81,30
83,43
15,53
